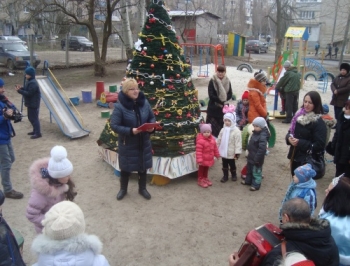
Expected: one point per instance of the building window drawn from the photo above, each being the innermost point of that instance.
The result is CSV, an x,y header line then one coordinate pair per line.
x,y
26,10
307,14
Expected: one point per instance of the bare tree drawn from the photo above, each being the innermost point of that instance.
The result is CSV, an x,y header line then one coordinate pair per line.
x,y
284,12
82,12
13,9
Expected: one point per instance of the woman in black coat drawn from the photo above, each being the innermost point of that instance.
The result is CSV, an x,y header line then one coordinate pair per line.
x,y
308,131
219,92
134,146
341,142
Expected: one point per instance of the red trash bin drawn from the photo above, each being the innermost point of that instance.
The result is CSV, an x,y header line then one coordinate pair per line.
x,y
100,87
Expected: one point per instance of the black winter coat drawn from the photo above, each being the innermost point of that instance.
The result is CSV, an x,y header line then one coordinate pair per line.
x,y
215,104
9,252
342,85
311,131
257,146
341,141
134,151
314,240
31,93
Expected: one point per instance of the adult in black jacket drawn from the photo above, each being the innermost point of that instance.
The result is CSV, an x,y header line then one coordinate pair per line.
x,y
309,236
31,94
134,146
219,92
10,254
308,131
341,89
341,142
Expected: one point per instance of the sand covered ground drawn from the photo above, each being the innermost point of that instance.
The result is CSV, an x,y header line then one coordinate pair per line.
x,y
183,224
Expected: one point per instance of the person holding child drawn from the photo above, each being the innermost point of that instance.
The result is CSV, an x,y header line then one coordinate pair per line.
x,y
242,110
257,103
51,183
230,146
206,150
256,153
64,241
302,186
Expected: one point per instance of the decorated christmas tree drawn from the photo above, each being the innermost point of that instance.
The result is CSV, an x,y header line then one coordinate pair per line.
x,y
164,77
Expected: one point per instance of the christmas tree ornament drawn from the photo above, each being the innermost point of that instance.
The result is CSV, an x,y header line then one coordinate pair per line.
x,y
145,48
151,82
165,51
152,65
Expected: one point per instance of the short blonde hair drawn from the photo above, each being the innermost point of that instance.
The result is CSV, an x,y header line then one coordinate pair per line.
x,y
129,83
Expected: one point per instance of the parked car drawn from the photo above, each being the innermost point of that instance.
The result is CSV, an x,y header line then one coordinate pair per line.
x,y
256,46
78,43
14,39
15,55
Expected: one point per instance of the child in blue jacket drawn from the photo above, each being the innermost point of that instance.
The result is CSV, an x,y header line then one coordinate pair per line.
x,y
302,186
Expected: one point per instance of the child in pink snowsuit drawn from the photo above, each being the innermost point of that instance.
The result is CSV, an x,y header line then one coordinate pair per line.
x,y
206,150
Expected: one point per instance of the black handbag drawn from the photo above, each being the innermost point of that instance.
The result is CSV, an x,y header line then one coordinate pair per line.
x,y
317,163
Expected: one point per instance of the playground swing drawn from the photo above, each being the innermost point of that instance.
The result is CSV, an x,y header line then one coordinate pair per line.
x,y
203,73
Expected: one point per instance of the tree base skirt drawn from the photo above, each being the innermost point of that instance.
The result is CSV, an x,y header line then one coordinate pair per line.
x,y
170,167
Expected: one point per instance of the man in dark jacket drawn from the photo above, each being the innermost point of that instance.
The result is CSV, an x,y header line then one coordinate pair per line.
x,y
9,251
289,85
309,236
7,155
31,94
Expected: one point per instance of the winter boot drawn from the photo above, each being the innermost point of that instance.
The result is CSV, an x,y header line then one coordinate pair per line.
x,y
225,177
233,174
124,180
202,183
142,186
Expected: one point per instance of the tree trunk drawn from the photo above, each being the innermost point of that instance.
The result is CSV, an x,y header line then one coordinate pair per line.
x,y
279,34
345,40
128,42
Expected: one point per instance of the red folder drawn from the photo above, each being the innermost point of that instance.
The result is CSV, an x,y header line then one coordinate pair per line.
x,y
147,126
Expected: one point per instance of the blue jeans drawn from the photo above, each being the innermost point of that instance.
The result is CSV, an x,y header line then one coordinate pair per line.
x,y
7,157
33,117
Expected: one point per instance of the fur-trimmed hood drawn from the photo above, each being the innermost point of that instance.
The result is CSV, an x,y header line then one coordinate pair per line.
x,y
78,244
314,225
308,118
42,184
254,84
128,103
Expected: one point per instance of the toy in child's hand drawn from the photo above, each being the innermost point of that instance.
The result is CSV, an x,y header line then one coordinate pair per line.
x,y
228,108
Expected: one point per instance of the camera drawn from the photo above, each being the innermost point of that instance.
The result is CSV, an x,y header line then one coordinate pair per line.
x,y
16,115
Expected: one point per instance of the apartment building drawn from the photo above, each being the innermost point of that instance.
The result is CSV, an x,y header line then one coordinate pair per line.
x,y
325,19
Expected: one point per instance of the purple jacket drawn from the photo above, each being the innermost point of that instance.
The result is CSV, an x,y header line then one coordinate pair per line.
x,y
43,195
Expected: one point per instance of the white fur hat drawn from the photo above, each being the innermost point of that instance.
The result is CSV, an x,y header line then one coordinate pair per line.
x,y
64,220
59,166
231,117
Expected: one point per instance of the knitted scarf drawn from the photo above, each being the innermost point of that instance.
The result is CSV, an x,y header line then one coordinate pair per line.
x,y
225,140
294,119
221,87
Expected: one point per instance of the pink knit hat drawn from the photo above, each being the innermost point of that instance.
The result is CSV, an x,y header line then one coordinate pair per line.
x,y
205,127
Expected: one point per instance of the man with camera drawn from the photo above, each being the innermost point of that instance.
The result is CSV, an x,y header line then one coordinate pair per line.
x,y
7,155
302,233
31,95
